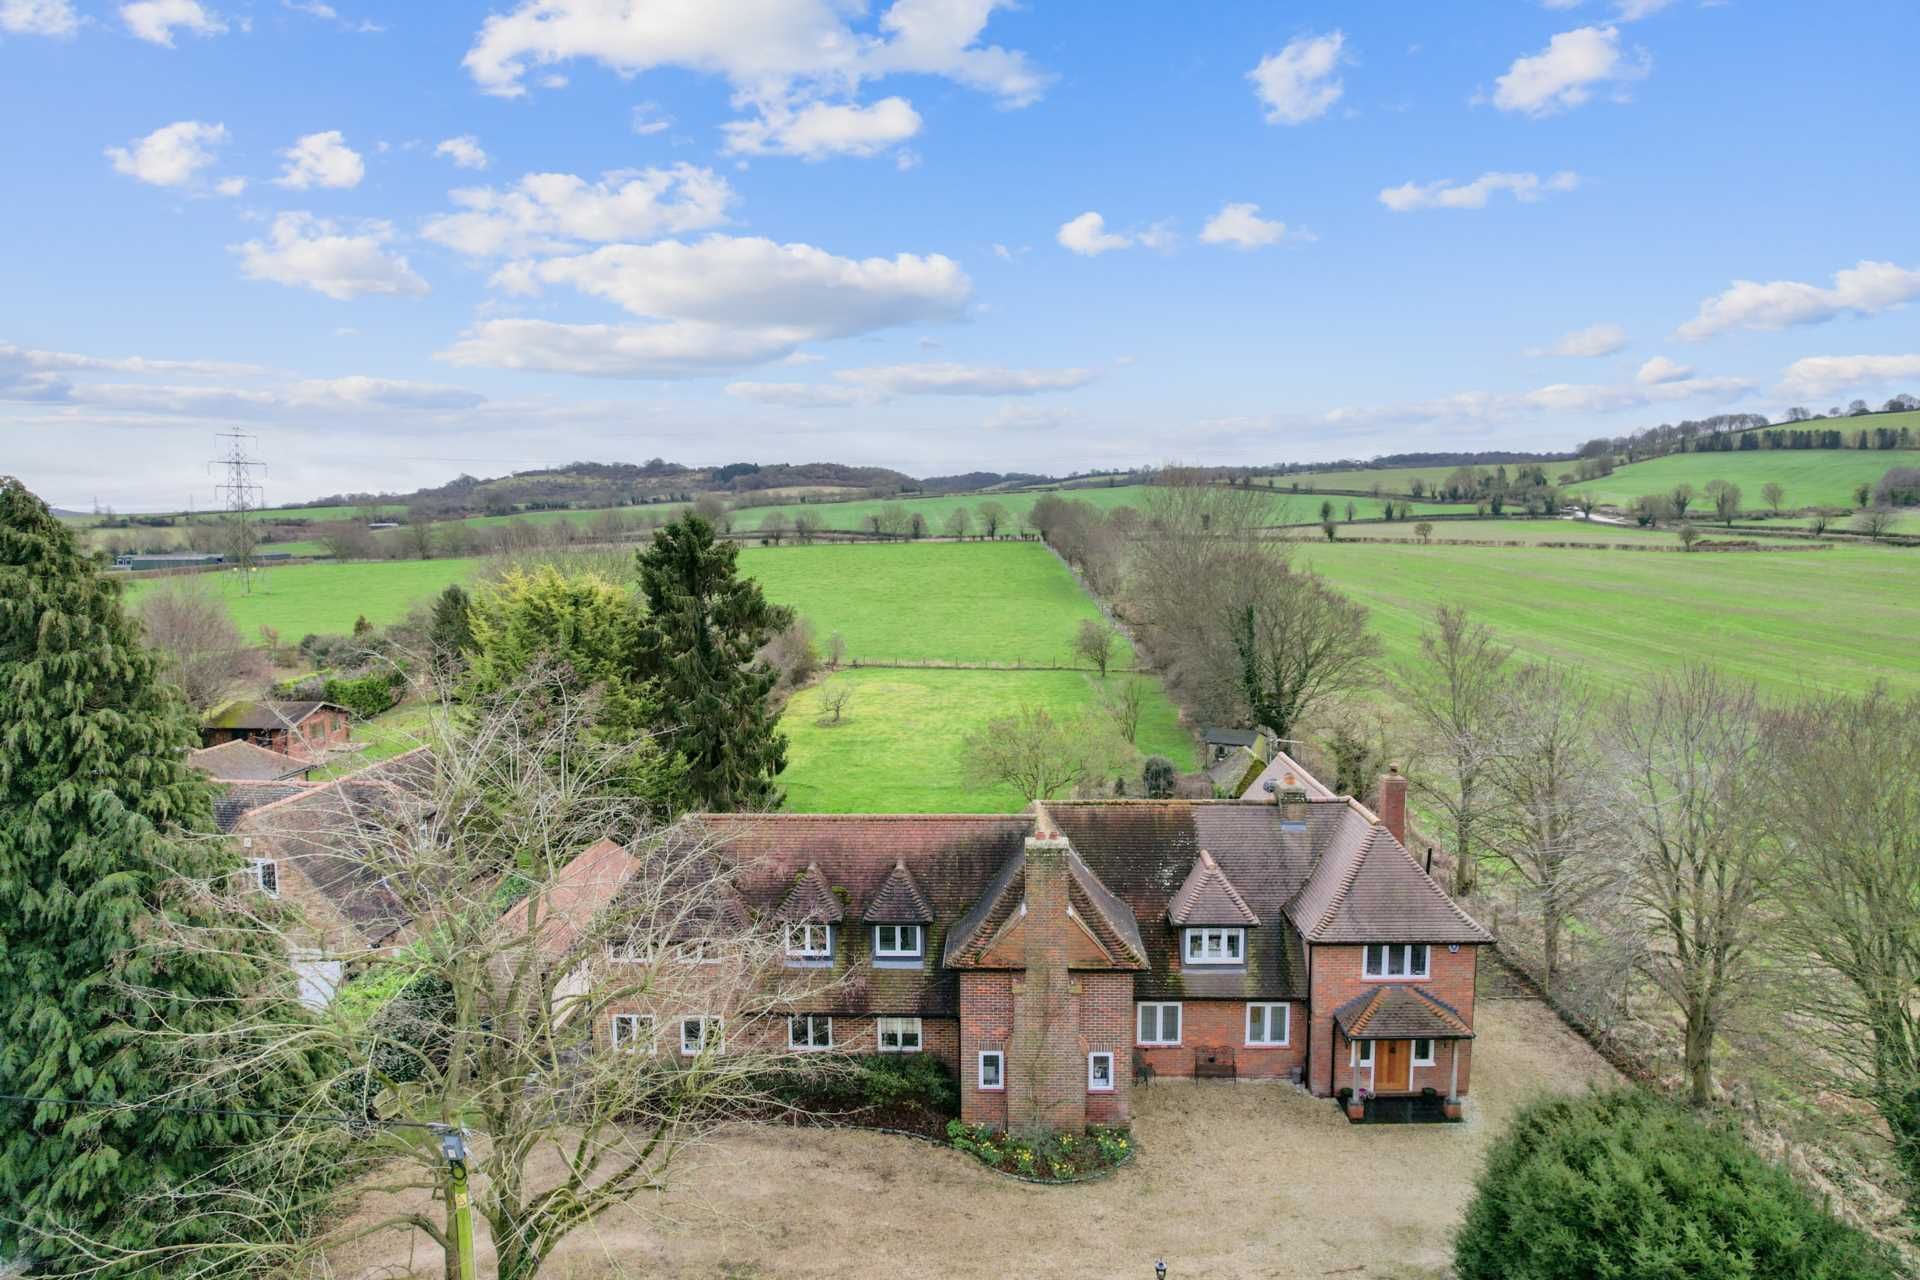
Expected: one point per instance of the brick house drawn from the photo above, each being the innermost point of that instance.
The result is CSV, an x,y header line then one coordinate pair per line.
x,y
1058,957
303,730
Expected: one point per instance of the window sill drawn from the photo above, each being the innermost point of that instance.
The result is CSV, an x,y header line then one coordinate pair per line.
x,y
900,962
1098,1089
795,963
1407,977
991,1088
1157,1044
915,1049
1268,1044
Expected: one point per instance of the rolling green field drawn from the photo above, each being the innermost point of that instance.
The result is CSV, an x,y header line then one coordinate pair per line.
x,y
914,601
1811,477
1789,621
303,599
897,748
1537,532
1390,479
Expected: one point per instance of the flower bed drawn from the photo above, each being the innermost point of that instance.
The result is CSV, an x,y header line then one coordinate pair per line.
x,y
1045,1156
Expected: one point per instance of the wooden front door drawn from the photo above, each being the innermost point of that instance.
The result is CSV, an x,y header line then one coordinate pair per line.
x,y
1396,1060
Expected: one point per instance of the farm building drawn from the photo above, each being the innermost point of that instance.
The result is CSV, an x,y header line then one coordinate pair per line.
x,y
303,730
1056,957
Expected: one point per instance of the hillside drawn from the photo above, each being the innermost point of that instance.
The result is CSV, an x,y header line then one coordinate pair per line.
x,y
1811,477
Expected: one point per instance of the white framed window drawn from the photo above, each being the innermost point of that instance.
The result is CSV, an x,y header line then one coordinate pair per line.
x,y
266,875
1423,1053
896,941
700,1033
1366,1052
810,943
1396,960
1268,1023
1157,1023
810,1031
897,1035
631,1032
627,951
1216,946
1100,1073
993,1069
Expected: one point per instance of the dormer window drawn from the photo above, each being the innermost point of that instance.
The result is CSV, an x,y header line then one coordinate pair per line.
x,y
1216,946
896,941
1396,960
266,875
810,944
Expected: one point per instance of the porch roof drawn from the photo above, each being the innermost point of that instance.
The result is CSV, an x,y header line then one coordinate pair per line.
x,y
1400,1013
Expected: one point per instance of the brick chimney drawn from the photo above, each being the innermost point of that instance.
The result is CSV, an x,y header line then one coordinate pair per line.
x,y
1393,802
1046,1071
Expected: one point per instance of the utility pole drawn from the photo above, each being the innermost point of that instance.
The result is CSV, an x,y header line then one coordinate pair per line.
x,y
453,1149
241,494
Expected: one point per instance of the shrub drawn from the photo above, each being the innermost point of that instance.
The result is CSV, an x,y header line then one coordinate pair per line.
x,y
1158,777
366,696
876,1081
1899,487
1626,1184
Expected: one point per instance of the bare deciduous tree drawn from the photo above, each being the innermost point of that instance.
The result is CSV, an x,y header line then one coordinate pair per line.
x,y
836,649
1300,643
1775,495
1845,797
806,527
993,518
1093,641
835,697
1424,531
1455,695
774,526
1687,534
186,620
1701,859
1122,702
1041,757
958,523
1875,522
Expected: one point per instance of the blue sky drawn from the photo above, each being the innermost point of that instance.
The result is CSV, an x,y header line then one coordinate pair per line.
x,y
401,241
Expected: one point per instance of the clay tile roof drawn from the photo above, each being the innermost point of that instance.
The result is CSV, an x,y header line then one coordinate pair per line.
x,y
1208,897
238,799
582,889
264,715
1367,888
1285,773
900,900
1111,919
1107,917
1400,1013
811,900
239,761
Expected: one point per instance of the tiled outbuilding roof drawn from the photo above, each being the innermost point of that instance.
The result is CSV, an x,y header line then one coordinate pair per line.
x,y
1285,773
237,799
240,761
264,715
1367,888
899,900
1400,1013
1208,897
811,900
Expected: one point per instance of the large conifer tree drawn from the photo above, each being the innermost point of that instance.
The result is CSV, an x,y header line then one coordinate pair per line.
x,y
704,625
104,831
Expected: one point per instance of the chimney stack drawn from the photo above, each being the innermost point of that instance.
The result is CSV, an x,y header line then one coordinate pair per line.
x,y
1393,802
1046,1062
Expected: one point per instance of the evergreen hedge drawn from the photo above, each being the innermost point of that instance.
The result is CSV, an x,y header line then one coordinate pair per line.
x,y
1626,1186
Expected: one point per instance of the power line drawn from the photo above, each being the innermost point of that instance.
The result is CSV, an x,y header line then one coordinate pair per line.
x,y
242,495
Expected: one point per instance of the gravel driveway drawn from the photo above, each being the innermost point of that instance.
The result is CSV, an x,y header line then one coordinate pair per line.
x,y
1231,1180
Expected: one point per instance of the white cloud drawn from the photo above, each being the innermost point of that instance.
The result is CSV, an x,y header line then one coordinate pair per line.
x,y
465,151
313,9
1659,371
1487,408
1634,10
1819,375
647,119
1586,344
553,212
170,156
313,253
1017,417
1088,236
156,20
818,129
879,384
798,395
1448,194
31,375
721,302
1563,75
786,59
38,17
321,160
1300,83
1241,226
1864,289
230,186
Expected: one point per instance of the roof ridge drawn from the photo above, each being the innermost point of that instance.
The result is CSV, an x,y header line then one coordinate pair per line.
x,y
857,817
1434,885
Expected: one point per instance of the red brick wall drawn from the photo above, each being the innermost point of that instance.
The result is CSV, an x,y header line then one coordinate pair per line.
x,y
986,1022
1221,1025
939,1037
1337,978
1106,1026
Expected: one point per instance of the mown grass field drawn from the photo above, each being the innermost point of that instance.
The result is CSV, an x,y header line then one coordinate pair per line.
x,y
1811,477
898,747
950,601
1538,532
1791,622
303,599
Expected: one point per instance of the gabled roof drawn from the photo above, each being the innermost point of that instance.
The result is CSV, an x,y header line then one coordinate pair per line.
x,y
899,900
811,900
237,799
239,761
265,714
1106,917
581,890
1400,1013
1206,896
1223,737
1231,774
1367,888
1285,773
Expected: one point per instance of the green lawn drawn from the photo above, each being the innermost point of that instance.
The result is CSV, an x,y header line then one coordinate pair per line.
x,y
382,738
1538,531
302,599
1811,477
897,749
1789,621
968,602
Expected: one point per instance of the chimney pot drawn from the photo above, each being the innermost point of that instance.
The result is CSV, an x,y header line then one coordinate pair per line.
x,y
1393,803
